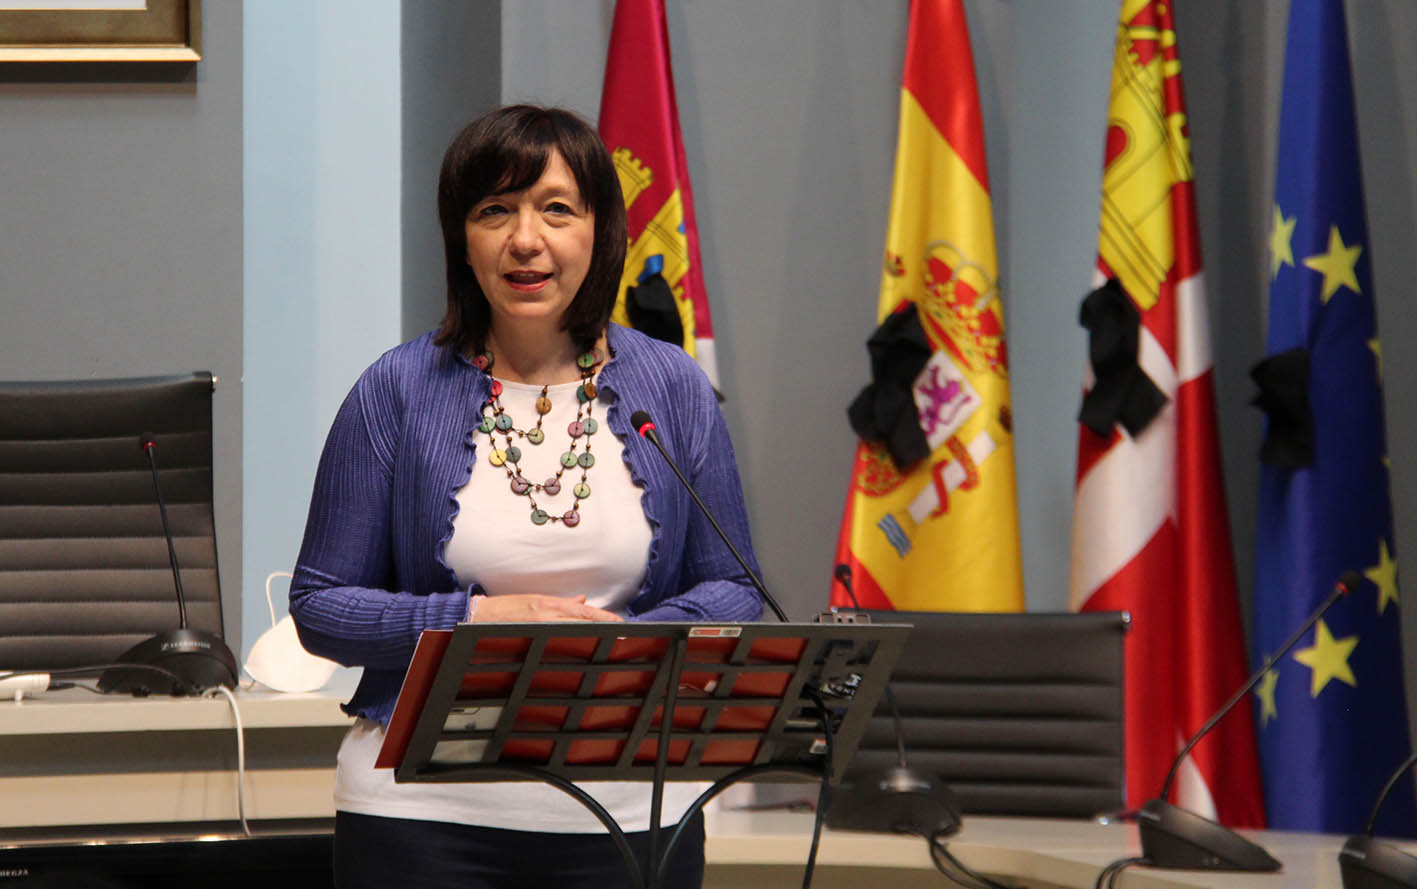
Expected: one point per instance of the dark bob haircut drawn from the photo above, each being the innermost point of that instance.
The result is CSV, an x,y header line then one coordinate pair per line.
x,y
507,150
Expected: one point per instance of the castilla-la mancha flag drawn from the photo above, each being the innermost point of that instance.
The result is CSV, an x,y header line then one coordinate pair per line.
x,y
1150,531
639,123
940,533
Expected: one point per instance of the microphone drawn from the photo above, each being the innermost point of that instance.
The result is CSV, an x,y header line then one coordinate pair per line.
x,y
645,427
194,659
1172,837
147,443
896,798
1365,863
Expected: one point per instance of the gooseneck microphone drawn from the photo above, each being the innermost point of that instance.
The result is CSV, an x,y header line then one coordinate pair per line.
x,y
148,443
897,798
1172,837
178,662
645,427
1365,863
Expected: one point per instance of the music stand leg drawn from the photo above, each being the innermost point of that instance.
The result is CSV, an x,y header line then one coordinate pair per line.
x,y
714,789
617,834
661,760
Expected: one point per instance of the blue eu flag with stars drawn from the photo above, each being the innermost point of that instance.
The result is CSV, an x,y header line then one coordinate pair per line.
x,y
1332,714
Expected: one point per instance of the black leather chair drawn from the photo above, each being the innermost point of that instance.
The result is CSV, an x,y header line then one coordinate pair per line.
x,y
84,569
1019,714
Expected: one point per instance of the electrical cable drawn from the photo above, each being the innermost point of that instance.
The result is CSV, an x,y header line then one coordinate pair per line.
x,y
941,856
240,754
95,668
1107,877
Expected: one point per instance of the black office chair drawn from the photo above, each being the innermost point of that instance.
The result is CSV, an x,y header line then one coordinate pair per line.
x,y
1019,714
84,568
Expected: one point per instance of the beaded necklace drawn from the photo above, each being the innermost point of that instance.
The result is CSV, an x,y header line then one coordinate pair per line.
x,y
496,419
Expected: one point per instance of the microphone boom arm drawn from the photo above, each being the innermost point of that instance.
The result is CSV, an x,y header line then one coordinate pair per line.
x,y
645,427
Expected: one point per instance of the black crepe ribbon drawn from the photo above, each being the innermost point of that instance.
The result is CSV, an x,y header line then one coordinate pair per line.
x,y
1283,379
653,310
885,410
1121,391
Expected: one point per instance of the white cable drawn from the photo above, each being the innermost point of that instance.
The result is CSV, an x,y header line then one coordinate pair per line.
x,y
269,602
240,755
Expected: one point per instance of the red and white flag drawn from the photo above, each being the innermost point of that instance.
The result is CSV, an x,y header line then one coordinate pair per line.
x,y
1150,530
639,121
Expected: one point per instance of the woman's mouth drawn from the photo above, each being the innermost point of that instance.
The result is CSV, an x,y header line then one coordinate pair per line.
x,y
527,280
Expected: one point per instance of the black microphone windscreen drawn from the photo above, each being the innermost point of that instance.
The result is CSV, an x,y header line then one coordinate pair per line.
x,y
639,418
146,440
1349,581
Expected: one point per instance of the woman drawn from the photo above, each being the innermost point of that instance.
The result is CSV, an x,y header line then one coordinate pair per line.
x,y
488,472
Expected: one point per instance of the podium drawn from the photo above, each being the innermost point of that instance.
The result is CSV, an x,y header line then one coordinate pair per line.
x,y
568,702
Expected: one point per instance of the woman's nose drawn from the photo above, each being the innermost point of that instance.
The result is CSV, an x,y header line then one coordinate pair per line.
x,y
526,234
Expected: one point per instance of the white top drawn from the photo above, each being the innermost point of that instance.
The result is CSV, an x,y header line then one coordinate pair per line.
x,y
603,557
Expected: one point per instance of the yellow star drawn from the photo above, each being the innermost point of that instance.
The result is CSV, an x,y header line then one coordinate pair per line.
x,y
1328,658
1384,575
1265,692
1281,241
1337,265
1377,348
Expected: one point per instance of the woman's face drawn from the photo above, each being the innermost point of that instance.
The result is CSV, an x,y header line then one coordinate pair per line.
x,y
530,249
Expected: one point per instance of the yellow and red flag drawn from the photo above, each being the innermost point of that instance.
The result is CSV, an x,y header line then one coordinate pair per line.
x,y
1150,531
941,534
639,122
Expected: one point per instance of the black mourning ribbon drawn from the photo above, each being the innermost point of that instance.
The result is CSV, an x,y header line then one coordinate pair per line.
x,y
653,310
885,410
1121,391
1283,379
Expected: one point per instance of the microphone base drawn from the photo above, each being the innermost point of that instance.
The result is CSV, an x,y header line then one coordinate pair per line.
x,y
1366,863
897,799
200,660
1171,837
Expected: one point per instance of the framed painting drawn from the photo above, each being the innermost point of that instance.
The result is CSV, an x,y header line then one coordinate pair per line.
x,y
100,30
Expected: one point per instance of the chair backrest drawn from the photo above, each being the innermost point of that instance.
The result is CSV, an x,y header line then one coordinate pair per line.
x,y
1020,714
84,569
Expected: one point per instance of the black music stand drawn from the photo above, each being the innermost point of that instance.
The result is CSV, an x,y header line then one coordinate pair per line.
x,y
567,702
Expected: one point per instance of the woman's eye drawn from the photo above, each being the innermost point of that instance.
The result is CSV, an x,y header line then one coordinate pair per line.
x,y
558,207
492,210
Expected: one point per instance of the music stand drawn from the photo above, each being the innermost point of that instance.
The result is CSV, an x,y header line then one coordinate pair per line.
x,y
562,703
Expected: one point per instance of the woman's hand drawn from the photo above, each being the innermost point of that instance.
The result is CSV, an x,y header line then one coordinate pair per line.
x,y
517,609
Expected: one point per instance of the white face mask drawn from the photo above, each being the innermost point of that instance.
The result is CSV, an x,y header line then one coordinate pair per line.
x,y
278,660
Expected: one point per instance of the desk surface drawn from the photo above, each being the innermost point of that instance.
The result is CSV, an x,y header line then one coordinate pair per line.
x,y
76,711
765,848
72,757
759,850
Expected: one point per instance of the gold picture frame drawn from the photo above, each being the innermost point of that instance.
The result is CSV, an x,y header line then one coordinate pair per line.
x,y
162,31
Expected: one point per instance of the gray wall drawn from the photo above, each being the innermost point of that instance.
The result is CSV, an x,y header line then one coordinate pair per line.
x,y
121,238
450,59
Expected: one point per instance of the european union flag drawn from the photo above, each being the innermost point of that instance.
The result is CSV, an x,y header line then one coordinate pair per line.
x,y
1332,715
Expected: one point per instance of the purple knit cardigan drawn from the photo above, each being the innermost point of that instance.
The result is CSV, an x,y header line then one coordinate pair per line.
x,y
371,574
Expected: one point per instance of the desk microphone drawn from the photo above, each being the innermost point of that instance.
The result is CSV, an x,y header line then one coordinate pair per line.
x,y
199,659
645,427
897,798
1172,837
1368,864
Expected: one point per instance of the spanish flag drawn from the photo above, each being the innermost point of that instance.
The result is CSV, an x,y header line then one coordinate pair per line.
x,y
639,122
939,532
